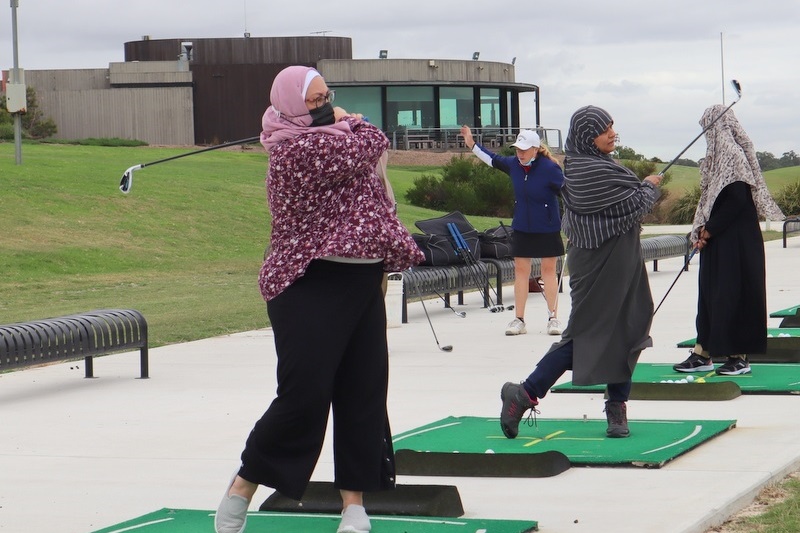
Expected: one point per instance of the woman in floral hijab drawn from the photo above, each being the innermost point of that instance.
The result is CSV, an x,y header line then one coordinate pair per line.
x,y
732,303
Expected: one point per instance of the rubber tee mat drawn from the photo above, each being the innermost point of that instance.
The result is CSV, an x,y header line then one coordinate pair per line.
x,y
194,521
783,346
653,443
657,381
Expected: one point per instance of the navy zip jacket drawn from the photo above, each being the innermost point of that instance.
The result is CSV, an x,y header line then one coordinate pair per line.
x,y
536,208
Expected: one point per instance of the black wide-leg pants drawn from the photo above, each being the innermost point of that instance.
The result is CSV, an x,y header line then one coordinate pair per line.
x,y
330,339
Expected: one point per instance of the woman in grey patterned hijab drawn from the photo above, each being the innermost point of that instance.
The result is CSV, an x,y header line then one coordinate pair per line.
x,y
732,301
612,308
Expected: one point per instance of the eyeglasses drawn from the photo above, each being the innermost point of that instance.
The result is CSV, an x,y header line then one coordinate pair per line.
x,y
322,99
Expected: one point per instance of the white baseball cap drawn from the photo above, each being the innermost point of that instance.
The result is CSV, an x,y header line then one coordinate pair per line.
x,y
526,139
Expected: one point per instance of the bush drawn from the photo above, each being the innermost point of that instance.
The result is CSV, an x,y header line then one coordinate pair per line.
x,y
42,129
643,168
788,199
683,209
467,186
6,131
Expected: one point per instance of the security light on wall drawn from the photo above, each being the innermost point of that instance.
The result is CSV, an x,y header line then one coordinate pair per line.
x,y
186,51
475,56
384,54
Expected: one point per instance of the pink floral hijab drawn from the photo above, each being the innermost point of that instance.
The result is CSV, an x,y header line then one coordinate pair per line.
x,y
730,156
287,117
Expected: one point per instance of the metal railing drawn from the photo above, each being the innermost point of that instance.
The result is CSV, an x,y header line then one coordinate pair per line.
x,y
449,139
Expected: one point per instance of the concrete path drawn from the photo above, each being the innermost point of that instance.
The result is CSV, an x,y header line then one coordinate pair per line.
x,y
77,455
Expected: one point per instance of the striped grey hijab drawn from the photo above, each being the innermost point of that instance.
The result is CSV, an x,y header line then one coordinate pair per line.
x,y
602,198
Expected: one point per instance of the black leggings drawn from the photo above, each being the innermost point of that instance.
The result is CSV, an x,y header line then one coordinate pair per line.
x,y
554,364
330,340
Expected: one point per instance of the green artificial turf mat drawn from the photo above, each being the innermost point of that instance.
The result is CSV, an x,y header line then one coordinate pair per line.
x,y
196,521
790,316
773,378
652,443
783,346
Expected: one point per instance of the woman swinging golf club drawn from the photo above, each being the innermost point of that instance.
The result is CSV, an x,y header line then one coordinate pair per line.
x,y
609,323
334,233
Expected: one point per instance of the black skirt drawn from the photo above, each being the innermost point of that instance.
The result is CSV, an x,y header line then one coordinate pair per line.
x,y
536,244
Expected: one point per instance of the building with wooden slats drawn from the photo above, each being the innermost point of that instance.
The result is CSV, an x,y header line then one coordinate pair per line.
x,y
210,91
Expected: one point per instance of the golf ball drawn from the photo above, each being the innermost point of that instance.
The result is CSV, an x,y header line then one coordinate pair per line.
x,y
489,451
689,378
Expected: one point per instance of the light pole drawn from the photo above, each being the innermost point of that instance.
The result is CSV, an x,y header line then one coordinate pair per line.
x,y
17,86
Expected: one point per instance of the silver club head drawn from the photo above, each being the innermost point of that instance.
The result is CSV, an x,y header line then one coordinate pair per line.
x,y
126,182
737,88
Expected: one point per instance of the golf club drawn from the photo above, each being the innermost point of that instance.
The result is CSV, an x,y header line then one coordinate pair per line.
x,y
738,89
560,278
126,182
447,348
463,250
685,267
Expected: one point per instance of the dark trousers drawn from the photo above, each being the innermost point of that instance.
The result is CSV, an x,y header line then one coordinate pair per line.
x,y
330,340
554,364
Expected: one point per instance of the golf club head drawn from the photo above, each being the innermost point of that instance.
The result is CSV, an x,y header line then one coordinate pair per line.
x,y
447,348
737,88
126,182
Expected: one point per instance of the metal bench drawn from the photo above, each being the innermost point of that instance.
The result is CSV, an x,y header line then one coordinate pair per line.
x,y
666,247
83,335
790,225
504,272
445,280
492,274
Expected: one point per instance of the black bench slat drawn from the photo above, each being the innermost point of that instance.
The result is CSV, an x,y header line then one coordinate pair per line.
x,y
84,335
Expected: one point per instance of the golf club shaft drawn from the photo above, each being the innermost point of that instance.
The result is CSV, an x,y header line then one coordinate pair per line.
x,y
685,266
430,323
216,147
126,183
469,259
738,89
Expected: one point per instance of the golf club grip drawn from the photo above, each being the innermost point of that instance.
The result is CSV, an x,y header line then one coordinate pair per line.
x,y
456,242
459,237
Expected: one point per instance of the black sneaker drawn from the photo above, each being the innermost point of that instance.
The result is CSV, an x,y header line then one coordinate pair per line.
x,y
617,416
695,363
734,366
516,402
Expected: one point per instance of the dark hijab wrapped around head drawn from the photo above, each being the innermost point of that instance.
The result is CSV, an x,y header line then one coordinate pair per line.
x,y
586,124
602,198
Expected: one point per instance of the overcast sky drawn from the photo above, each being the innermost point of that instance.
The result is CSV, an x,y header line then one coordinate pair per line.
x,y
655,66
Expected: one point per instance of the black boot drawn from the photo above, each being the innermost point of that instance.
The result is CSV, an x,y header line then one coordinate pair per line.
x,y
617,416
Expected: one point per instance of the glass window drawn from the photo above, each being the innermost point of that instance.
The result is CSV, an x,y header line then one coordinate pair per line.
x,y
456,107
409,107
364,100
490,107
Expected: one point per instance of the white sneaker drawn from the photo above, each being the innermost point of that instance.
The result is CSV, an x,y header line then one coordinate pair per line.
x,y
516,327
553,327
354,520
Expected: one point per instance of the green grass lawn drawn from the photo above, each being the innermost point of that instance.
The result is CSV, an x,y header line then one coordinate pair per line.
x,y
184,247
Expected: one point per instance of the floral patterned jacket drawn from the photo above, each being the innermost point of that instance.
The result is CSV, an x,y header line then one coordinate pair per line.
x,y
326,199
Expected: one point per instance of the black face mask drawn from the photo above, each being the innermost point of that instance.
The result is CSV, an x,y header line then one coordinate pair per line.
x,y
323,115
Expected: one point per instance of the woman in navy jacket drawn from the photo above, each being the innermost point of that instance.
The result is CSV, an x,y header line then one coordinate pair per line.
x,y
537,179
